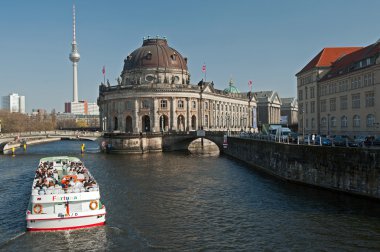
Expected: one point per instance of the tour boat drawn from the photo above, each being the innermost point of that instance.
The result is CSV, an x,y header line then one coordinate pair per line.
x,y
64,196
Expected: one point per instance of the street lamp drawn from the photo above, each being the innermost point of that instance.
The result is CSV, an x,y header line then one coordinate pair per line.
x,y
328,124
228,124
200,84
303,123
249,94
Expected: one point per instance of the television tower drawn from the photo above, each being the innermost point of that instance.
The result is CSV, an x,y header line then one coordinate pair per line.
x,y
74,57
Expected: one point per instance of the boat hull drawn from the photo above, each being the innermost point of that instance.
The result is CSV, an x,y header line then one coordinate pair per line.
x,y
66,223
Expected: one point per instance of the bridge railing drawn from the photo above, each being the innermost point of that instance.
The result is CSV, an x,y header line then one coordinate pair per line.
x,y
49,132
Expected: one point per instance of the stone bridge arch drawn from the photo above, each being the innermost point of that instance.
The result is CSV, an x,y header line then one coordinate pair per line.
x,y
182,142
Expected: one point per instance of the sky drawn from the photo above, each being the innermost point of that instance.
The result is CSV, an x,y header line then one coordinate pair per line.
x,y
267,42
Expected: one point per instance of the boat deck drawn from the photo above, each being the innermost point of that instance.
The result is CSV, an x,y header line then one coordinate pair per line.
x,y
60,175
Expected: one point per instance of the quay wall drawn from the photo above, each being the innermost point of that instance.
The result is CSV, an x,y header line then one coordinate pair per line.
x,y
350,170
7,147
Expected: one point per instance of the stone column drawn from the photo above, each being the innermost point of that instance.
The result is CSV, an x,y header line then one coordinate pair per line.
x,y
156,116
135,119
172,115
188,118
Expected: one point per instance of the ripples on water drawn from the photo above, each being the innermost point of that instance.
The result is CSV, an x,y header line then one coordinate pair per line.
x,y
182,202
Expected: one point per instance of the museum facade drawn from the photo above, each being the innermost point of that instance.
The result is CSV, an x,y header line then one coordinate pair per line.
x,y
154,94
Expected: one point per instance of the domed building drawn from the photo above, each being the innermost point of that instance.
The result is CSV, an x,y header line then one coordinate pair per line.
x,y
154,94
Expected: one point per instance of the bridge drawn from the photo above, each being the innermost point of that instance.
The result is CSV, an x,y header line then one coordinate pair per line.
x,y
17,140
169,141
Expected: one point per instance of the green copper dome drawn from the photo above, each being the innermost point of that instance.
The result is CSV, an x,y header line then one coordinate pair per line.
x,y
231,89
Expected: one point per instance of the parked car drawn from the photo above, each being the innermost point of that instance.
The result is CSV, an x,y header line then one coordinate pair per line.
x,y
339,141
351,142
293,137
369,141
324,140
376,141
360,141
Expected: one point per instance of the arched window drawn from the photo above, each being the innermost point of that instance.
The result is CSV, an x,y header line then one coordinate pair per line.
x,y
370,120
128,124
343,122
333,122
181,123
193,122
115,123
323,122
356,121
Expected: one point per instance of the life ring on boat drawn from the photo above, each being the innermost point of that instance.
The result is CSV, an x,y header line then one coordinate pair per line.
x,y
37,208
93,204
66,179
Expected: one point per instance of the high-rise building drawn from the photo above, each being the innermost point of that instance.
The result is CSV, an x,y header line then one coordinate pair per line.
x,y
14,103
82,108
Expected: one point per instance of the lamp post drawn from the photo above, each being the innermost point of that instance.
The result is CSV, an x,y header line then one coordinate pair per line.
x,y
0,126
200,84
328,124
303,123
228,124
249,109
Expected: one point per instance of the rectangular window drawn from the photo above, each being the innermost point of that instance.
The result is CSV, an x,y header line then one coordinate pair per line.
x,y
145,104
128,105
312,107
365,82
306,93
193,104
323,105
356,101
180,104
343,102
370,99
164,104
332,104
312,93
300,95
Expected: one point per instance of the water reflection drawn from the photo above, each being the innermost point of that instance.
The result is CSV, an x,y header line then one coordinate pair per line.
x,y
182,202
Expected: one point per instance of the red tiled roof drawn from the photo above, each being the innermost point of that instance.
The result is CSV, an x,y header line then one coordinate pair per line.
x,y
327,56
347,63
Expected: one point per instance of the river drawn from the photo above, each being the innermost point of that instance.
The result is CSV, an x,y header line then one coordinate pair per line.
x,y
183,202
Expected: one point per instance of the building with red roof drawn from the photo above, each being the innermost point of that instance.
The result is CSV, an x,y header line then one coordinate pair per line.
x,y
337,92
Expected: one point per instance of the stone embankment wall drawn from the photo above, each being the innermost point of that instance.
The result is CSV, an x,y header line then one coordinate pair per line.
x,y
7,148
132,144
351,170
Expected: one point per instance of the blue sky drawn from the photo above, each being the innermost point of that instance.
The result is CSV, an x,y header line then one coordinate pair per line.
x,y
267,42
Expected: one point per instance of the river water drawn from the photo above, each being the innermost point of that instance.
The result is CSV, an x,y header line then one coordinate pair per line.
x,y
183,202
